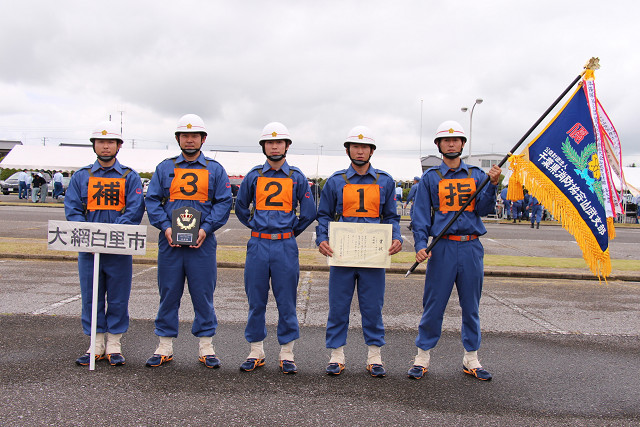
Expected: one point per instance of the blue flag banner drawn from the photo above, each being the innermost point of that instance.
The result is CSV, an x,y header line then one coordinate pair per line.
x,y
561,167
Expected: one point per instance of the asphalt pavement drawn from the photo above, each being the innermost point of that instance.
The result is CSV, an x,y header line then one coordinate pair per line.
x,y
563,352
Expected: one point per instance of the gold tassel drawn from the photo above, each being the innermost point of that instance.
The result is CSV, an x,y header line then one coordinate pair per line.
x,y
556,202
611,228
514,192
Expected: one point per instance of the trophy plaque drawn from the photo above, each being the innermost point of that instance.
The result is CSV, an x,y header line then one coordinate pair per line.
x,y
185,225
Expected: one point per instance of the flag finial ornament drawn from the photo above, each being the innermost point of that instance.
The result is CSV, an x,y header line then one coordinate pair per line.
x,y
593,64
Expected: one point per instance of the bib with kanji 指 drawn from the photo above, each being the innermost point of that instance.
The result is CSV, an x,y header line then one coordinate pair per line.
x,y
456,192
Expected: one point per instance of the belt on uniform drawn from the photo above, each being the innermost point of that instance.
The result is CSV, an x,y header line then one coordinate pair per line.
x,y
277,236
466,238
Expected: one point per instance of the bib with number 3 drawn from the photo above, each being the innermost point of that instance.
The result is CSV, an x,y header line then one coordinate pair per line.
x,y
361,200
190,184
274,194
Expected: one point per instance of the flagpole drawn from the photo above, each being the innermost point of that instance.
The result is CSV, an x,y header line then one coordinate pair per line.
x,y
502,162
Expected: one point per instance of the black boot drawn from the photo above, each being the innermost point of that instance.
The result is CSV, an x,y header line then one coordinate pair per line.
x,y
537,225
531,225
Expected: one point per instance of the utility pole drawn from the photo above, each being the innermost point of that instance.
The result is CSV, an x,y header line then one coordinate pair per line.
x,y
121,111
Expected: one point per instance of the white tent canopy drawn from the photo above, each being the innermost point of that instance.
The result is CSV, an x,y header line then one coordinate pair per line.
x,y
236,164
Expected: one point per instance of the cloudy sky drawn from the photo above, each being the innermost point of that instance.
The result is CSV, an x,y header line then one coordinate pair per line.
x,y
320,67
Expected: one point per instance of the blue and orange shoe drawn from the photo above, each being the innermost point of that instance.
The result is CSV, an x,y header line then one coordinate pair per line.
x,y
210,361
376,370
416,372
479,373
115,359
158,359
251,364
288,367
85,359
334,368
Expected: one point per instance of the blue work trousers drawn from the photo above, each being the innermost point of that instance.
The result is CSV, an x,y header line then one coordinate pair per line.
x,y
275,261
536,213
452,262
114,282
370,283
57,189
22,190
198,266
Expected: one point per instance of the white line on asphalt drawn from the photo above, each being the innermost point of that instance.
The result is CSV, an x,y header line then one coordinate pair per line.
x,y
304,297
535,319
77,297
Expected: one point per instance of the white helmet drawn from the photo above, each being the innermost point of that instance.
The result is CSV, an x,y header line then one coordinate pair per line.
x,y
106,130
360,135
191,123
274,131
450,128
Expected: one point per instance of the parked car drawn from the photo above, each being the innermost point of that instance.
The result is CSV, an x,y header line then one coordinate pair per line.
x,y
145,185
10,185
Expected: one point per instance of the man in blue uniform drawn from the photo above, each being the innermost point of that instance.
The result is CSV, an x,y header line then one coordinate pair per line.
x,y
125,205
275,189
458,256
357,194
199,183
535,209
411,197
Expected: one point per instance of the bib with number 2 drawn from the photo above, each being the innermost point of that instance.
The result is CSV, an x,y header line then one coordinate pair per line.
x,y
274,194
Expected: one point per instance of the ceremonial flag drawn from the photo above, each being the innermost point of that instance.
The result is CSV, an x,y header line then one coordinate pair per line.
x,y
567,168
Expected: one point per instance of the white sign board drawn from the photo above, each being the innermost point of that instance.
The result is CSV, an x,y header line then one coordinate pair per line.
x,y
97,237
360,244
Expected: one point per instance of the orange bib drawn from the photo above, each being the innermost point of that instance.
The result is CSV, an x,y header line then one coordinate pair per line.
x,y
274,194
361,200
105,194
190,184
455,192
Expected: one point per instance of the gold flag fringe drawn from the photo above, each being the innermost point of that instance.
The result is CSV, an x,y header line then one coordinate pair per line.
x,y
556,202
611,228
514,191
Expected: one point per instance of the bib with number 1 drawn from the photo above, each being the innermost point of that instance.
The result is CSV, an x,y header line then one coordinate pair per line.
x,y
361,200
190,184
274,194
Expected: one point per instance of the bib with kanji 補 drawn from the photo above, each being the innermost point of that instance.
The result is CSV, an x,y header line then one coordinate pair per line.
x,y
274,194
190,184
361,200
456,192
105,194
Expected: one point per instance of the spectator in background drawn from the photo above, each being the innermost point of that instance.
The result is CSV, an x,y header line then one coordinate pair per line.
x,y
38,183
506,202
28,181
57,184
411,198
22,184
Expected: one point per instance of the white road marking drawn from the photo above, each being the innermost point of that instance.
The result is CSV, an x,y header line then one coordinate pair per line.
x,y
55,305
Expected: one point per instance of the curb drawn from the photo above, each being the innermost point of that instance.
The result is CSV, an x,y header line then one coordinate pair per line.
x,y
488,271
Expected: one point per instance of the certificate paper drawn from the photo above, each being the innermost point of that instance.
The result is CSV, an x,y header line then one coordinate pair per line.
x,y
360,244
